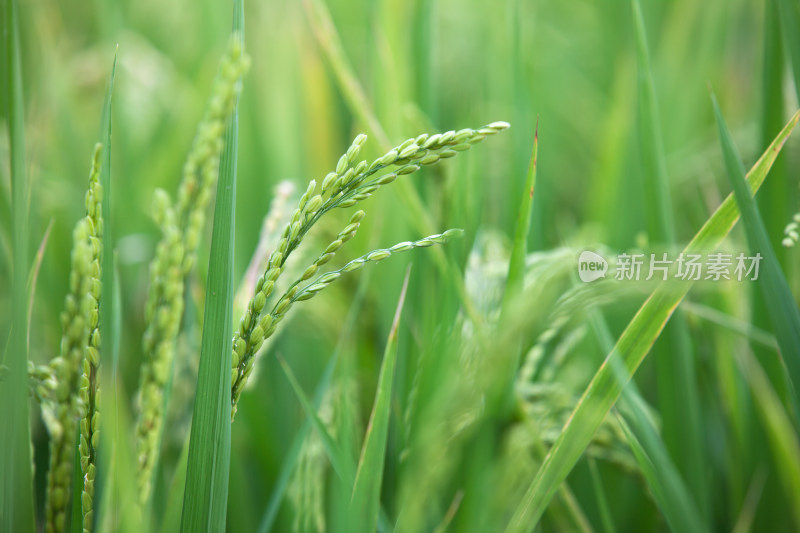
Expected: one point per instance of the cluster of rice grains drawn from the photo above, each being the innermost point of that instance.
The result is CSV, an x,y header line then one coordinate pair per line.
x,y
69,390
348,185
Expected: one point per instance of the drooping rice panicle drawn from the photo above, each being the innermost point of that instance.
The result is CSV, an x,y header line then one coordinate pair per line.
x,y
244,354
347,185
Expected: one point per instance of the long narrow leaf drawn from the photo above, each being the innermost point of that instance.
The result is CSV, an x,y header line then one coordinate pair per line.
x,y
675,360
365,502
342,463
516,264
629,352
109,326
208,466
781,435
670,492
782,309
16,483
290,461
790,22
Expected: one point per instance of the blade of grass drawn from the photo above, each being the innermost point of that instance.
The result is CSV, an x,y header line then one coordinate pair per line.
x,y
790,22
654,481
745,521
172,512
677,380
34,275
16,478
782,308
780,431
342,463
207,471
671,493
365,502
629,352
109,328
656,181
775,200
290,461
754,334
600,495
516,264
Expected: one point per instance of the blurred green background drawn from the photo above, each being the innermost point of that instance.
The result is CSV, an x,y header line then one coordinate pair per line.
x,y
425,66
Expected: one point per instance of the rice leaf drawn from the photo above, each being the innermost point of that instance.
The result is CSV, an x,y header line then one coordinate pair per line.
x,y
290,460
782,308
172,511
790,23
630,350
33,278
602,501
781,435
341,462
679,398
669,490
208,466
516,264
16,479
109,326
365,502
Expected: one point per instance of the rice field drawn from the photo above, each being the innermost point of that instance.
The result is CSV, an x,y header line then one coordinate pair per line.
x,y
428,266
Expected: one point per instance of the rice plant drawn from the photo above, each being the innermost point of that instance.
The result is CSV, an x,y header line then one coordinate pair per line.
x,y
228,323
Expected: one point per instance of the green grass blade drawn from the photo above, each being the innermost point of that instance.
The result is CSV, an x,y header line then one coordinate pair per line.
x,y
109,326
290,459
516,264
677,521
670,492
602,501
172,511
790,22
16,483
629,352
342,463
207,472
679,398
780,431
660,220
782,308
107,307
365,503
